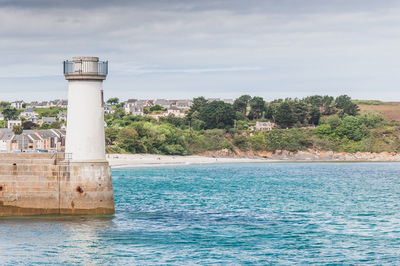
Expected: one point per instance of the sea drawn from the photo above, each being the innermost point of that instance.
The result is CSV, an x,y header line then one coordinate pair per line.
x,y
226,214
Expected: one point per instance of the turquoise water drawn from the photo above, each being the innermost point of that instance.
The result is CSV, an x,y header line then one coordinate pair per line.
x,y
279,213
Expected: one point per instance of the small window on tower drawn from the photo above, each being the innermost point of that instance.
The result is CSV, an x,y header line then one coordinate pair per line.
x,y
102,98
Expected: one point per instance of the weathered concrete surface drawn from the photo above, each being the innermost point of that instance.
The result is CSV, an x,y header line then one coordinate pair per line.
x,y
43,184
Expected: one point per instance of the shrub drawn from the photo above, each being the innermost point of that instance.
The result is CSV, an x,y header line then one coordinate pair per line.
x,y
258,141
241,141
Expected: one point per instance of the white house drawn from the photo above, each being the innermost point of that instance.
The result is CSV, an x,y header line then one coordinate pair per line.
x,y
108,109
48,120
17,104
264,125
178,112
62,116
13,123
28,112
136,107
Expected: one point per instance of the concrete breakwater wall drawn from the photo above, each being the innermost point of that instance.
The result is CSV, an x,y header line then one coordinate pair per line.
x,y
40,184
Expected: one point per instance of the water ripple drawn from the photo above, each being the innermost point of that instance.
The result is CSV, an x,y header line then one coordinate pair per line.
x,y
273,213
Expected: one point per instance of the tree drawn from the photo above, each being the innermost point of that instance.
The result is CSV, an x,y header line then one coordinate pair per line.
x,y
351,128
344,103
240,104
113,101
257,106
10,113
314,116
56,124
173,120
197,104
269,111
315,100
119,113
128,139
333,121
18,130
45,126
5,105
284,115
28,125
300,111
154,109
111,135
328,105
217,114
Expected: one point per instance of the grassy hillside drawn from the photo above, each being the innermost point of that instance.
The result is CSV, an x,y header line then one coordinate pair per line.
x,y
316,122
389,110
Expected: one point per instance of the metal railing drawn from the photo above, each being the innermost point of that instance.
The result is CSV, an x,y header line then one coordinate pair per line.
x,y
86,68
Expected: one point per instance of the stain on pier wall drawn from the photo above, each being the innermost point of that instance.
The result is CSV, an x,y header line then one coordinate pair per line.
x,y
42,184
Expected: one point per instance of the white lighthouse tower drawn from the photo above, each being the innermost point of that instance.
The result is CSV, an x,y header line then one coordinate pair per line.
x,y
87,186
85,125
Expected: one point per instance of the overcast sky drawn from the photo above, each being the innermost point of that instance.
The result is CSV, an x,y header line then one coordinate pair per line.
x,y
182,49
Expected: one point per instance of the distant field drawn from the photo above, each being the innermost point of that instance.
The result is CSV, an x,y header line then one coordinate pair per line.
x,y
390,110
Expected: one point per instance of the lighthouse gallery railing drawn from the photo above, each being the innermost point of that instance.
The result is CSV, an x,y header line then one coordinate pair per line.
x,y
86,67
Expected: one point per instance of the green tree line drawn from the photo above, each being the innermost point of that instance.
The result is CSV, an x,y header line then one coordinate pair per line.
x,y
317,122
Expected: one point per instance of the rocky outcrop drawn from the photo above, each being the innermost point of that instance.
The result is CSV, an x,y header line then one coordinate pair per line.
x,y
308,155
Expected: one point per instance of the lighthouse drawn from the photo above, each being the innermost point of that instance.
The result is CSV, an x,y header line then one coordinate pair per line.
x,y
85,115
78,182
88,187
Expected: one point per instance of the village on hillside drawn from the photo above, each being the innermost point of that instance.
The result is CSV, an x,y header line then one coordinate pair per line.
x,y
41,126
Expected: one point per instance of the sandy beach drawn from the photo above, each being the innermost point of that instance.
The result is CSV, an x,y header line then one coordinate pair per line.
x,y
137,160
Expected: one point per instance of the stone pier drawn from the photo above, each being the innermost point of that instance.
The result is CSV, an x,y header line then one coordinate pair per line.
x,y
48,184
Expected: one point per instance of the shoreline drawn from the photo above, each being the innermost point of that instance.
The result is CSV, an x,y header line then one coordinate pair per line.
x,y
155,160
146,160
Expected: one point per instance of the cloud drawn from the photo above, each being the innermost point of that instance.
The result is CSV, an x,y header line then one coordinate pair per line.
x,y
293,46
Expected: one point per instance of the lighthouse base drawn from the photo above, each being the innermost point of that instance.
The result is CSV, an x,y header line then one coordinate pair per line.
x,y
45,184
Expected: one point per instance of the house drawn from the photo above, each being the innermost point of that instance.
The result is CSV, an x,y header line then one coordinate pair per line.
x,y
230,101
62,116
29,115
34,104
136,107
34,141
267,126
183,104
213,99
32,119
54,103
17,104
163,102
136,110
49,140
108,109
63,104
48,120
156,116
43,104
61,134
6,135
178,112
128,104
12,123
28,112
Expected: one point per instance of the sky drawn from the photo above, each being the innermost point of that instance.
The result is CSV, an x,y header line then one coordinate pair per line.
x,y
179,49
